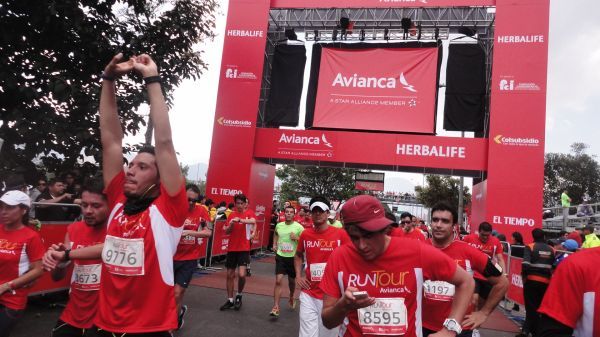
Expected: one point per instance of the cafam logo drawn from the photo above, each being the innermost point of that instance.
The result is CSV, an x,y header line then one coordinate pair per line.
x,y
311,140
518,141
238,123
360,81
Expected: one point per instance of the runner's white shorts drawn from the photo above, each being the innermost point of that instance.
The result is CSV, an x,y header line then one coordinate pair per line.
x,y
311,324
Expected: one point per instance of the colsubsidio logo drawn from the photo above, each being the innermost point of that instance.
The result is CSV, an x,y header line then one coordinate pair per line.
x,y
357,81
234,122
294,139
499,139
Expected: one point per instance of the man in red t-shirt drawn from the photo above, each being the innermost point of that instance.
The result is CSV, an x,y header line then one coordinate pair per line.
x,y
315,245
439,295
373,286
408,228
305,218
185,261
241,227
490,245
571,305
148,206
80,311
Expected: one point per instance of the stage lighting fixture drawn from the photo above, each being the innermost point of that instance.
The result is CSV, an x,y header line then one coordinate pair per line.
x,y
386,34
317,35
361,35
437,32
290,34
334,34
466,31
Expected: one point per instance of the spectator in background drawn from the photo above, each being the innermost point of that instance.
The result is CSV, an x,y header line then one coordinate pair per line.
x,y
591,240
35,193
584,209
566,203
565,249
517,246
537,271
54,194
69,180
210,207
229,209
576,235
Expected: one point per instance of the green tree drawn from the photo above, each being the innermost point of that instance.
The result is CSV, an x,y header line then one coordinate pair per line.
x,y
577,172
309,181
441,188
51,56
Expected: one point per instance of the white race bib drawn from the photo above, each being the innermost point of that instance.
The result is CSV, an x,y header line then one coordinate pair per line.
x,y
86,277
286,247
316,271
124,256
387,316
438,290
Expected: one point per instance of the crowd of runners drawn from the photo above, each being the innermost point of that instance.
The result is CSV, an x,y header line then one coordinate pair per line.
x,y
360,271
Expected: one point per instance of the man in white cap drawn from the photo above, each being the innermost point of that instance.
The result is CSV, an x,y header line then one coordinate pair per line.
x,y
374,285
315,245
332,219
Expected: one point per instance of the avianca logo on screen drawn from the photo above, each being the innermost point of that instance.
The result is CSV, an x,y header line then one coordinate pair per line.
x,y
294,139
356,81
378,279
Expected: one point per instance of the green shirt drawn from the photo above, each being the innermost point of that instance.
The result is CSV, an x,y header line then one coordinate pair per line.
x,y
591,241
336,224
286,247
566,201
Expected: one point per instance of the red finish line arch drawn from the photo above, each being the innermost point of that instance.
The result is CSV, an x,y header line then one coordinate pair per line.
x,y
242,154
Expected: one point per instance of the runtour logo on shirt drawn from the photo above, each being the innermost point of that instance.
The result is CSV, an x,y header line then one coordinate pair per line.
x,y
378,279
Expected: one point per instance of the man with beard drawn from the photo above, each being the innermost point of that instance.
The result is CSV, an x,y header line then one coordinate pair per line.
x,y
439,295
78,316
148,206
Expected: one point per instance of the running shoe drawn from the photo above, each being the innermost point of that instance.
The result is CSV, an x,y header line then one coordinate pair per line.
x,y
292,302
238,302
227,305
180,320
274,312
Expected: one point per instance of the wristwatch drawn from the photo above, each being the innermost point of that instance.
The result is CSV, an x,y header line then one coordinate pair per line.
x,y
452,325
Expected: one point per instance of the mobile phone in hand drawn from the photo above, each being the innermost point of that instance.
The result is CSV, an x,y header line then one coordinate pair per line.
x,y
360,294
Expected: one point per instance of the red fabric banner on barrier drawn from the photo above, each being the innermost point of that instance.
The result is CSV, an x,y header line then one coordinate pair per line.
x,y
515,281
395,93
372,148
220,239
52,234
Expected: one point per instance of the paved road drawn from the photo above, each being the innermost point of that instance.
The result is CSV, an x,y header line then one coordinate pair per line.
x,y
203,317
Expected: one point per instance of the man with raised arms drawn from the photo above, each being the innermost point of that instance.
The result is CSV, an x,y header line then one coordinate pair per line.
x,y
315,246
374,285
148,206
439,295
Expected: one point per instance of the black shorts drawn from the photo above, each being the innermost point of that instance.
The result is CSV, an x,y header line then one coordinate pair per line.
x,y
63,329
184,270
482,288
236,259
285,265
103,333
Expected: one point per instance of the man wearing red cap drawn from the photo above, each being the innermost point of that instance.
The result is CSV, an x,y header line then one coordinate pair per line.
x,y
374,286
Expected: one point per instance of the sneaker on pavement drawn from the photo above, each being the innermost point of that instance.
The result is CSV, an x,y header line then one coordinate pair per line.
x,y
180,320
238,302
274,312
227,305
292,302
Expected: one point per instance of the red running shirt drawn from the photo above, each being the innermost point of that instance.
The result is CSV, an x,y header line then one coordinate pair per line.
x,y
573,296
317,247
305,222
416,234
239,239
18,248
85,279
492,247
136,294
438,296
395,278
190,248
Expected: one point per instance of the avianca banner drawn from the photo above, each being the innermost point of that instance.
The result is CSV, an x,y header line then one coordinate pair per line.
x,y
372,148
380,89
377,3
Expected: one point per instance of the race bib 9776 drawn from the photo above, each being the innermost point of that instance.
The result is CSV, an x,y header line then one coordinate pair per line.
x,y
124,256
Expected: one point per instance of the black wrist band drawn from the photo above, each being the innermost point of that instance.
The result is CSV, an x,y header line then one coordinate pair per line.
x,y
106,77
67,257
151,79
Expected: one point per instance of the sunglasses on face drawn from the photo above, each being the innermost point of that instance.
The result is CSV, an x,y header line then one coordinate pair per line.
x,y
443,220
405,222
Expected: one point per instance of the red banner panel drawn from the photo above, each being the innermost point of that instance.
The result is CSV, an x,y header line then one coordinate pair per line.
x,y
515,280
372,148
220,239
368,186
52,234
384,88
377,3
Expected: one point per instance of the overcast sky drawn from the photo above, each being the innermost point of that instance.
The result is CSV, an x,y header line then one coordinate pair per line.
x,y
573,95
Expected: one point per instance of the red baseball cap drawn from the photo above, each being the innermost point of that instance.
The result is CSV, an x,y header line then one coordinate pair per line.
x,y
366,212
